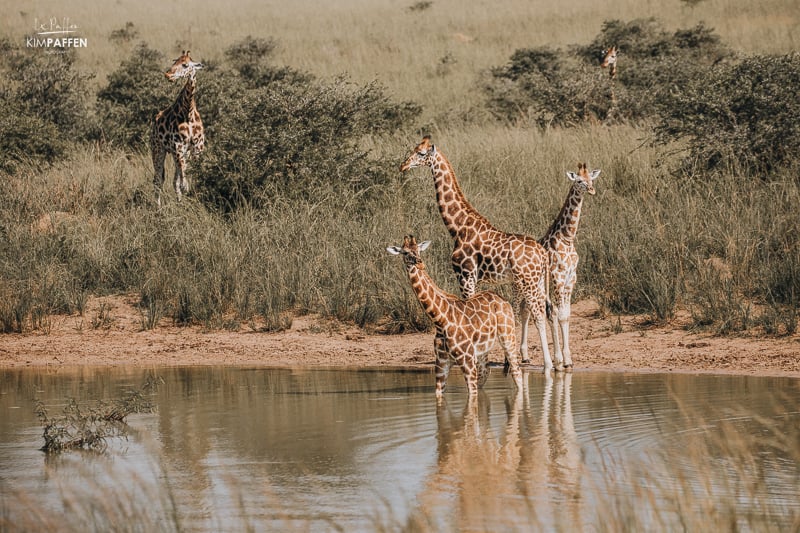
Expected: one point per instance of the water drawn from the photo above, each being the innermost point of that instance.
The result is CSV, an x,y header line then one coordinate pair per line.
x,y
278,449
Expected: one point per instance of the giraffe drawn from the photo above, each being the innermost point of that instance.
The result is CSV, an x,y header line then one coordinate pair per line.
x,y
178,129
559,241
483,253
609,60
466,329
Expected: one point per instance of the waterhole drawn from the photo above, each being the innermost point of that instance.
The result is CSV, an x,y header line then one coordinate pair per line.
x,y
279,449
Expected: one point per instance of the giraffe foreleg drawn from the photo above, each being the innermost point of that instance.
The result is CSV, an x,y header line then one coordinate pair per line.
x,y
541,326
555,322
180,184
524,318
563,321
442,364
159,155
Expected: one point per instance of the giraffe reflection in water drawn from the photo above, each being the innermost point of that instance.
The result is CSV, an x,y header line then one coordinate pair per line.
x,y
526,473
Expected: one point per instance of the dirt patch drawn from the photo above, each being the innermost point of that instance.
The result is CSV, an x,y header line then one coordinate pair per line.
x,y
110,333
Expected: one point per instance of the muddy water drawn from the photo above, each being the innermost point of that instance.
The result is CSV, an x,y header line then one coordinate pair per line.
x,y
233,448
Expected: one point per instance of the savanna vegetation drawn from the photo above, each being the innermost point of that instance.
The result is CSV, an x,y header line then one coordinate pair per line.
x,y
309,109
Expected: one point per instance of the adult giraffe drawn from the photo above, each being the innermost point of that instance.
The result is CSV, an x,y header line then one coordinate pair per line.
x,y
481,252
178,129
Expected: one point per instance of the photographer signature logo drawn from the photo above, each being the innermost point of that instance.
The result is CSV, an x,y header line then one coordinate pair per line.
x,y
55,34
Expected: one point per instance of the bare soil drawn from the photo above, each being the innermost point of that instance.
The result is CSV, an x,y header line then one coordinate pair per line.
x,y
110,333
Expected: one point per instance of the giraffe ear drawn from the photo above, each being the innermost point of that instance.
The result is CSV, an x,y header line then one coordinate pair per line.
x,y
594,174
423,245
394,250
572,176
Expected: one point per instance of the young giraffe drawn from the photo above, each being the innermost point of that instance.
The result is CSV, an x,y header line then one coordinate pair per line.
x,y
483,253
465,329
178,129
559,241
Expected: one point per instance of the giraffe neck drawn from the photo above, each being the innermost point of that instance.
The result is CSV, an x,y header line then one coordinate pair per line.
x,y
185,104
433,299
456,211
565,226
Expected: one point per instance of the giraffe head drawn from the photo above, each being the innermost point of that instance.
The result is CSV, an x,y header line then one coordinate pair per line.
x,y
410,250
584,180
421,156
609,59
183,67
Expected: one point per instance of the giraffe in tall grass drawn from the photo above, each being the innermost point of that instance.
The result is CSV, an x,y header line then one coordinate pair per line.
x,y
178,129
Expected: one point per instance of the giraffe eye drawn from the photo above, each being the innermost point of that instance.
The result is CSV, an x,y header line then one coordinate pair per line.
x,y
185,65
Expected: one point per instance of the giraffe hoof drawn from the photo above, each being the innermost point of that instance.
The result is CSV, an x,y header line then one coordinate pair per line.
x,y
559,368
568,368
526,361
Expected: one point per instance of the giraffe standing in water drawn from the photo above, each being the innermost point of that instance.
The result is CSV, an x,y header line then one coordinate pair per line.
x,y
178,129
465,329
559,241
483,253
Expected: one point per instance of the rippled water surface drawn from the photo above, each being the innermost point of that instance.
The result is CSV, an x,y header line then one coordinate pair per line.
x,y
231,448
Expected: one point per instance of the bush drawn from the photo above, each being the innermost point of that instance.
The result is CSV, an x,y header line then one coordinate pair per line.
x,y
44,110
288,135
135,92
553,87
548,87
740,119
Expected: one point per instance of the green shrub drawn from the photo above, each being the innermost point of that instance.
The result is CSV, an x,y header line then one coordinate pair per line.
x,y
553,87
44,107
547,87
251,59
739,119
279,133
135,92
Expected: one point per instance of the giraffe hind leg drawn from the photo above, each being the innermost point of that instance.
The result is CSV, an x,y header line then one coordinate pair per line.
x,y
506,333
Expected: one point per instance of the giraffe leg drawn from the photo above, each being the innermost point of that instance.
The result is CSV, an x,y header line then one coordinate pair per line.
x,y
524,317
180,167
541,326
483,370
555,322
563,320
159,155
469,367
508,340
442,365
